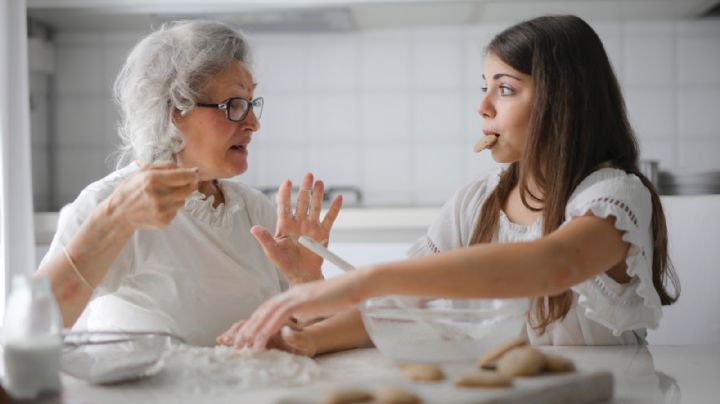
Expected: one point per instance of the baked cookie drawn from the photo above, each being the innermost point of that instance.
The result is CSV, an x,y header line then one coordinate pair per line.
x,y
558,364
523,361
422,372
348,396
395,395
488,361
484,143
484,378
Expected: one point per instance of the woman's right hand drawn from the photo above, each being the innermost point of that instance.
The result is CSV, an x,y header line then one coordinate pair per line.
x,y
151,197
290,338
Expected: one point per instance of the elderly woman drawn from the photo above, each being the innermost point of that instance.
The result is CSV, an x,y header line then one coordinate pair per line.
x,y
164,243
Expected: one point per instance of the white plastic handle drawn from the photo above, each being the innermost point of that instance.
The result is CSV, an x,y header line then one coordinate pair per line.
x,y
320,250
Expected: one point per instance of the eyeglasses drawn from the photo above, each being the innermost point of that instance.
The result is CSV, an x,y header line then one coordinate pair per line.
x,y
236,108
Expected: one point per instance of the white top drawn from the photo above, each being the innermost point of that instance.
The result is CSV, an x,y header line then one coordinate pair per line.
x,y
194,277
603,312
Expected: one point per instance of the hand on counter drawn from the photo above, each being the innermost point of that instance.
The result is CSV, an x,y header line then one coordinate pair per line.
x,y
290,338
307,300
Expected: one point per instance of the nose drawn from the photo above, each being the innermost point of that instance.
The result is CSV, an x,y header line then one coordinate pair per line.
x,y
250,122
485,108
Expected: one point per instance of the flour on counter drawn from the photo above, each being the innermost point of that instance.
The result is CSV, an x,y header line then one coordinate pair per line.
x,y
205,369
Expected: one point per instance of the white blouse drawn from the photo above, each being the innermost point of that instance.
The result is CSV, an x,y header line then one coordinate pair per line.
x,y
603,312
194,277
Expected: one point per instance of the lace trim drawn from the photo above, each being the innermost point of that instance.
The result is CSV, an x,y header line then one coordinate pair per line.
x,y
431,246
617,203
422,247
519,228
602,208
602,285
587,206
201,208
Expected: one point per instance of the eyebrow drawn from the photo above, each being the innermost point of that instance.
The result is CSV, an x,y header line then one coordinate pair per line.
x,y
238,84
499,75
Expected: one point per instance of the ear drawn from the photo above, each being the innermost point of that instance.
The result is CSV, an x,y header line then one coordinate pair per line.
x,y
179,118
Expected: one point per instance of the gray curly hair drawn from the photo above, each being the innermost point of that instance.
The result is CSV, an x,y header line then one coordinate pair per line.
x,y
165,73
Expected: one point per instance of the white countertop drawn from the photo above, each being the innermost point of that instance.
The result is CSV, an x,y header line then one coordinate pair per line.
x,y
645,374
393,224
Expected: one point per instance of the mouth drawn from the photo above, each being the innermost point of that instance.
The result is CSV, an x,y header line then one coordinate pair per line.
x,y
490,133
240,147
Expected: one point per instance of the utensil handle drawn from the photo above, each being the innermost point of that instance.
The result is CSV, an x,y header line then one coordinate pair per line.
x,y
320,250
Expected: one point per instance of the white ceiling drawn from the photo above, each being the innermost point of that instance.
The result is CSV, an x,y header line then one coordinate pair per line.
x,y
343,15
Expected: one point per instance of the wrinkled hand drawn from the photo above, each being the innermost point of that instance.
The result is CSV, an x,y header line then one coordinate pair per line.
x,y
308,300
295,261
151,197
291,338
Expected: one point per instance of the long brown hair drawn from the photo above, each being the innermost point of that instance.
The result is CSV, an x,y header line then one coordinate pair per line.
x,y
578,123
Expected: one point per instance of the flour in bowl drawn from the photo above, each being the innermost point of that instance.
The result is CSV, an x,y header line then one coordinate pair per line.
x,y
206,369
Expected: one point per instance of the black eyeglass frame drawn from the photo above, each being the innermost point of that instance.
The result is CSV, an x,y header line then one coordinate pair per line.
x,y
225,106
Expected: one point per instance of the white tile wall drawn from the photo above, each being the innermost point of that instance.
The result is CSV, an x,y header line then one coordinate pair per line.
x,y
385,117
282,62
437,171
279,163
332,62
284,119
698,111
699,152
437,64
334,164
652,111
648,60
611,35
393,111
698,60
333,117
664,151
385,60
438,117
386,174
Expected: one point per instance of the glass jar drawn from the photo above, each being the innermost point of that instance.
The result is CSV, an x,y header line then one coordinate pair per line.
x,y
32,342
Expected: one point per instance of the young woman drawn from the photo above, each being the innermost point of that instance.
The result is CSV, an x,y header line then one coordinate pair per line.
x,y
571,222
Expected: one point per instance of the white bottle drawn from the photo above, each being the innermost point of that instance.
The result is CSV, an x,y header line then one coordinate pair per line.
x,y
32,344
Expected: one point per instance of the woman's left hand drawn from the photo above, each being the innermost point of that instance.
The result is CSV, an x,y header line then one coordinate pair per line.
x,y
295,261
308,300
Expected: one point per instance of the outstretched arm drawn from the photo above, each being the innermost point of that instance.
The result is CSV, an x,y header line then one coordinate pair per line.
x,y
583,248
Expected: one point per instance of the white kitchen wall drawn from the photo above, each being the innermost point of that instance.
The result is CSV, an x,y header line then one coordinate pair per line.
x,y
393,111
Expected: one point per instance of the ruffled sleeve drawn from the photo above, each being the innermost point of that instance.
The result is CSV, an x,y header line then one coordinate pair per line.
x,y
636,304
454,226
